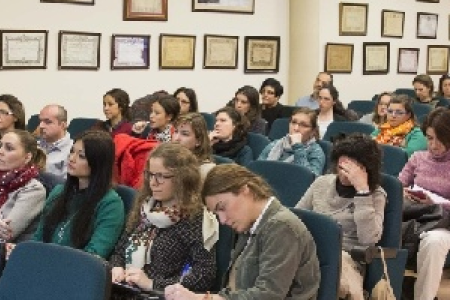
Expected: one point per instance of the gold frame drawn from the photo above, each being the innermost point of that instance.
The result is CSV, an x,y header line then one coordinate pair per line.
x,y
339,58
171,49
129,15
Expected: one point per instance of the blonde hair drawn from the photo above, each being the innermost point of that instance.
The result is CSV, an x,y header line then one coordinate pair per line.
x,y
203,151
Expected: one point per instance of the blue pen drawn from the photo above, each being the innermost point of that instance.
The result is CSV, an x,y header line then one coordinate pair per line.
x,y
186,270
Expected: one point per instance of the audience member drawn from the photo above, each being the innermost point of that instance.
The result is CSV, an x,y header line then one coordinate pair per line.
x,y
379,114
401,129
246,102
312,101
191,132
444,87
424,89
164,111
299,146
229,137
271,91
428,170
187,99
141,108
22,196
168,228
275,255
54,138
85,213
353,197
12,114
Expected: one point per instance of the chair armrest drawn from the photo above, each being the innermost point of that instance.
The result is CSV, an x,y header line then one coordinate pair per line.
x,y
365,254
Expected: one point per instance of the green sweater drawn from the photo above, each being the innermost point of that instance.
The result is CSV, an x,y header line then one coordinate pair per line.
x,y
414,140
107,226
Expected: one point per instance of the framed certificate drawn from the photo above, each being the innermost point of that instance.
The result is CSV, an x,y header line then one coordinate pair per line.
x,y
375,58
176,51
392,23
408,60
437,59
23,49
338,58
220,52
430,1
426,25
83,2
353,18
130,52
79,50
145,10
262,54
228,6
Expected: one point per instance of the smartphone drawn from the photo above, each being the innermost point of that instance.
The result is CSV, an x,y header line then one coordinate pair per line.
x,y
418,194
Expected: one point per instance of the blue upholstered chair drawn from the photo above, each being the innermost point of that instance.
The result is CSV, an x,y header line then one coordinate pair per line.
x,y
127,194
421,109
79,125
289,181
222,160
210,120
33,123
257,142
362,107
394,159
224,246
408,92
280,127
443,102
326,146
346,127
327,235
38,270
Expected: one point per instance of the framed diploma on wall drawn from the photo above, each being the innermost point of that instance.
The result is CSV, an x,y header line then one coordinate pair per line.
x,y
23,49
408,60
176,51
82,2
437,59
145,10
130,52
227,6
427,24
392,23
220,52
353,18
376,58
79,50
262,54
338,58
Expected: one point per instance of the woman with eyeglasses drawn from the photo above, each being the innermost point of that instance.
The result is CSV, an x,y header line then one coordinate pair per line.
x,y
246,102
424,89
299,146
168,227
379,114
187,99
401,129
12,114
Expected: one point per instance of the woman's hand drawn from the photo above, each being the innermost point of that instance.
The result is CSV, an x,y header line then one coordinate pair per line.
x,y
118,274
9,248
139,126
356,174
179,292
5,229
296,138
213,137
138,277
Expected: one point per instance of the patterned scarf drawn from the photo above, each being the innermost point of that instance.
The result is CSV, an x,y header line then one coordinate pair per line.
x,y
394,136
14,179
163,136
282,150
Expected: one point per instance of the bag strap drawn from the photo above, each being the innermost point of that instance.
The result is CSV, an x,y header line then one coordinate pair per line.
x,y
386,275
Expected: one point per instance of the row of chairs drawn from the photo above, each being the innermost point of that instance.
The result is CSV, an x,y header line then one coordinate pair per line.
x,y
76,125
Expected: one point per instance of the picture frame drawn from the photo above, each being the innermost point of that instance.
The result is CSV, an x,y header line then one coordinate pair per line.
x,y
220,51
339,58
353,19
224,6
78,50
392,23
427,24
376,58
437,59
261,54
80,2
429,1
23,49
145,10
130,52
177,51
408,60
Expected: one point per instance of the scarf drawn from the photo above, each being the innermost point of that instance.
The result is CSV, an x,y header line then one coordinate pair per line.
x,y
163,136
394,136
14,179
231,148
282,150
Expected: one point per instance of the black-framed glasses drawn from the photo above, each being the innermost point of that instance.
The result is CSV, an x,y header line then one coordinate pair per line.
x,y
5,112
160,178
301,124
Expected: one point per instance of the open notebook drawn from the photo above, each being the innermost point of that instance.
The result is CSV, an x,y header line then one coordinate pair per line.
x,y
434,197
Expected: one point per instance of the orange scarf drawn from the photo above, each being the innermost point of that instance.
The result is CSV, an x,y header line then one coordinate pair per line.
x,y
394,136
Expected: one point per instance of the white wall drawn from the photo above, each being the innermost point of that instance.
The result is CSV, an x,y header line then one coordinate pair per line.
x,y
355,86
81,91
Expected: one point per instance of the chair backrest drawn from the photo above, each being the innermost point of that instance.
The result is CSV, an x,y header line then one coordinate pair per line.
x,y
289,181
362,106
210,120
346,127
408,92
79,125
33,123
280,127
127,194
222,160
421,109
394,159
49,181
257,142
326,146
327,235
224,246
443,102
38,270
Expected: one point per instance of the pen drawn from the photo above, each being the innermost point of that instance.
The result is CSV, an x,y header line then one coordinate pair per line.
x,y
186,270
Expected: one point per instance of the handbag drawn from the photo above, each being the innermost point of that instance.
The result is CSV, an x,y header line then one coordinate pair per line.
x,y
383,289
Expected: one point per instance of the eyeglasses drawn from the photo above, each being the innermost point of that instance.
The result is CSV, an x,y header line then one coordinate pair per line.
x,y
301,124
5,112
160,178
396,112
382,103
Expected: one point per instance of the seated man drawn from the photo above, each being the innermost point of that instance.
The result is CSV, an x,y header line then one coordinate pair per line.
x,y
54,138
271,90
311,101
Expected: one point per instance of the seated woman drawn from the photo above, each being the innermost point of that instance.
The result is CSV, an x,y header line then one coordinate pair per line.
x,y
229,137
401,129
187,99
12,113
22,196
379,114
246,102
444,91
353,197
299,146
429,170
164,111
116,107
424,89
85,213
168,228
260,268
191,132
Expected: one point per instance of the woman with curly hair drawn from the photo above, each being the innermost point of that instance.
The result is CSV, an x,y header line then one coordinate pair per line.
x,y
353,197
